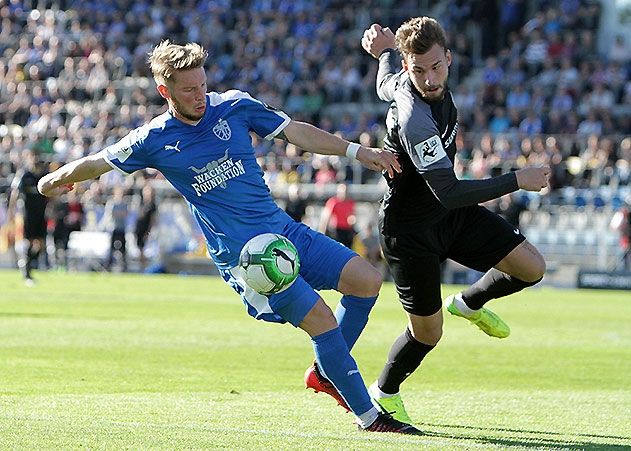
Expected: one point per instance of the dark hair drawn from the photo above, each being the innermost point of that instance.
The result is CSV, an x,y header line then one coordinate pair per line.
x,y
419,34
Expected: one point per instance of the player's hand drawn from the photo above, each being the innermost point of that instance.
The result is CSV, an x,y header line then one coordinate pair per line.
x,y
46,188
533,178
378,160
376,39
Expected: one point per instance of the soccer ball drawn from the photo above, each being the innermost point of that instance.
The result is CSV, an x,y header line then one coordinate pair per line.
x,y
269,263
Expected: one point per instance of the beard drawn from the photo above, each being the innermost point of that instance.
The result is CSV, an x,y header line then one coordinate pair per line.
x,y
438,94
179,109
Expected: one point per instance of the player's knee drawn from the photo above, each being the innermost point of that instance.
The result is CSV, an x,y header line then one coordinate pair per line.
x,y
533,265
541,269
360,279
535,271
428,335
372,281
427,330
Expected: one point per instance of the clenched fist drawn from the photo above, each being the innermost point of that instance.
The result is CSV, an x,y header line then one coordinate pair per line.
x,y
533,178
376,39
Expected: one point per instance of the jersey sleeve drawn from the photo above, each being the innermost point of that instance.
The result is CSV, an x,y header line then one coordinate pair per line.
x,y
128,154
454,193
388,79
265,120
421,140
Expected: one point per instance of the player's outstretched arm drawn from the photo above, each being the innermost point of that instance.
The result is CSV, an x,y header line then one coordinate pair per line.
x,y
454,193
62,180
313,139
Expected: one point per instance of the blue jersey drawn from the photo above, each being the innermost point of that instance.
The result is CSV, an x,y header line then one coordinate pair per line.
x,y
212,164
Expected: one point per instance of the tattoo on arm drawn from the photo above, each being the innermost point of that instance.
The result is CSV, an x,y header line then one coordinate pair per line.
x,y
282,136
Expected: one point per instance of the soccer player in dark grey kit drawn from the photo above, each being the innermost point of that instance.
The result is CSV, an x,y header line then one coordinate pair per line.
x,y
428,215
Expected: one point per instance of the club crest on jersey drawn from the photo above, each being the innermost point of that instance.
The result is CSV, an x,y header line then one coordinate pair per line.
x,y
430,150
222,130
216,173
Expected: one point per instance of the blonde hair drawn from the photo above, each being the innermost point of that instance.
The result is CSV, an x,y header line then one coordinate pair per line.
x,y
419,34
167,58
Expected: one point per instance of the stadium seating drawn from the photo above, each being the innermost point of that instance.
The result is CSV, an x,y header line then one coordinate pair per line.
x,y
73,79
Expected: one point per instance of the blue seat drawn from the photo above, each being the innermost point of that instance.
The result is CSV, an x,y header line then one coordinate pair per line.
x,y
598,201
616,202
580,200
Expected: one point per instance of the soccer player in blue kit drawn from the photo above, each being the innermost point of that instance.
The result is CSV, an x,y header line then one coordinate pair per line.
x,y
202,145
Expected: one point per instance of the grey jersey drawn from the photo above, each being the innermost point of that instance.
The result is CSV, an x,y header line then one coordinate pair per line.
x,y
422,135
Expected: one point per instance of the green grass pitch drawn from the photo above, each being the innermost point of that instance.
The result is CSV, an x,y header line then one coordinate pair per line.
x,y
99,361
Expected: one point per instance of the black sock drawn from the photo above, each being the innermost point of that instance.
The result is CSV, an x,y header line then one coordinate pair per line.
x,y
33,258
25,268
30,256
405,356
494,284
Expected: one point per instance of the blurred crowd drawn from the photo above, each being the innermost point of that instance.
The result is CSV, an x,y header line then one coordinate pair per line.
x,y
545,94
73,76
527,76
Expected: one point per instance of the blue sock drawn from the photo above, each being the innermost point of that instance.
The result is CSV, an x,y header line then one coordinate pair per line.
x,y
337,365
352,316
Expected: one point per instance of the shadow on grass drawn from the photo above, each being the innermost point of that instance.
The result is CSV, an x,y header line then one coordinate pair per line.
x,y
530,439
33,315
55,316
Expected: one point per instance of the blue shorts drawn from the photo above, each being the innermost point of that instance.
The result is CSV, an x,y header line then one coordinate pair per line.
x,y
321,262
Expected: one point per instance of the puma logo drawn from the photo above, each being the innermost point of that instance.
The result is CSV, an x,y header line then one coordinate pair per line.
x,y
169,147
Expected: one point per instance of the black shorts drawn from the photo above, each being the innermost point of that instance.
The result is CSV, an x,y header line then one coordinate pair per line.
x,y
34,227
142,233
472,236
61,236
